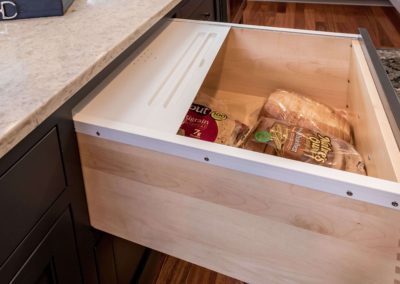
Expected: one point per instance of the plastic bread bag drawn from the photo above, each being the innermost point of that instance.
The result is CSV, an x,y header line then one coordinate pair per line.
x,y
302,144
302,111
224,118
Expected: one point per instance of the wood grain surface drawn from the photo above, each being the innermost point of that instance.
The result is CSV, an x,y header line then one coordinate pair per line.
x,y
381,156
253,229
177,271
250,228
258,62
383,23
331,70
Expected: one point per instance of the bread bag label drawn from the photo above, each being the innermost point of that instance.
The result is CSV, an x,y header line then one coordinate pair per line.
x,y
300,144
224,118
199,123
320,147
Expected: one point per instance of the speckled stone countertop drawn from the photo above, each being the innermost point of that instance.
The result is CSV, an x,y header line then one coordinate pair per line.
x,y
44,62
391,61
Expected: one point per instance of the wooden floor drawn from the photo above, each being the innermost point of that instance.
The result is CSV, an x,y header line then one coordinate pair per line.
x,y
383,23
175,271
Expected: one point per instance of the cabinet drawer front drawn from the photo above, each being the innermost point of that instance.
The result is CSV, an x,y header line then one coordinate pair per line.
x,y
27,190
250,228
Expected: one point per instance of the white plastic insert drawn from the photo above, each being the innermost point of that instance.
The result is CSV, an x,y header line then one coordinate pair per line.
x,y
156,88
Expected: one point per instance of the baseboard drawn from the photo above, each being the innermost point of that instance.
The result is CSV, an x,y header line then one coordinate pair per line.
x,y
340,2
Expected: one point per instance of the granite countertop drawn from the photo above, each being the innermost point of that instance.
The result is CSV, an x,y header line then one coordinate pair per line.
x,y
391,61
45,61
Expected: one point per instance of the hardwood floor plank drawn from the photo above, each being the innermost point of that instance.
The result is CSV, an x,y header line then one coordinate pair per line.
x,y
383,23
290,16
300,19
309,16
350,19
393,16
176,271
269,15
282,7
173,271
385,27
321,22
377,34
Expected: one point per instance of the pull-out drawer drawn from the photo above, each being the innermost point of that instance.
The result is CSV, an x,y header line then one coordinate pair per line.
x,y
255,217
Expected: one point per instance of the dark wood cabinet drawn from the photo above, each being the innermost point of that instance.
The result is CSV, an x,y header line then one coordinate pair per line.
x,y
41,180
205,10
28,189
119,261
55,260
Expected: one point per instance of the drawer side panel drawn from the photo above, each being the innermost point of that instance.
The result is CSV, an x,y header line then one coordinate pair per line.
x,y
375,139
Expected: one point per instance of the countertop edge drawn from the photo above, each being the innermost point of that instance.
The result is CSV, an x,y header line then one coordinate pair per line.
x,y
17,132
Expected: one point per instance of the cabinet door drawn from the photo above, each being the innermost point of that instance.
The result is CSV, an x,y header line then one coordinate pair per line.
x,y
118,260
205,12
198,10
55,260
27,190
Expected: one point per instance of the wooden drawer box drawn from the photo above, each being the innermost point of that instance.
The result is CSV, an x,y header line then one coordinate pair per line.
x,y
255,217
